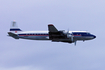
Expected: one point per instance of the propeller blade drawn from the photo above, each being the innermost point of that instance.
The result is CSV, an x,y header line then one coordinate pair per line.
x,y
75,43
67,31
71,38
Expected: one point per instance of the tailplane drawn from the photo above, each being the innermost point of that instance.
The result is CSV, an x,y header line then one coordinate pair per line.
x,y
14,28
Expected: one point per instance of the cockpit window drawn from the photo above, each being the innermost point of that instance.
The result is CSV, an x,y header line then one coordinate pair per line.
x,y
88,33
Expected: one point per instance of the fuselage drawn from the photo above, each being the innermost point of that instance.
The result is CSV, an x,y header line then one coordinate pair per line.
x,y
44,35
52,34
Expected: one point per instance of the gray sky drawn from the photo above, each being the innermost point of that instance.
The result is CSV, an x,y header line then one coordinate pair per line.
x,y
21,54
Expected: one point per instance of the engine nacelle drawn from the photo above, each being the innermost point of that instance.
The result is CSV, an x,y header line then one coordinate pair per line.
x,y
66,34
63,32
69,35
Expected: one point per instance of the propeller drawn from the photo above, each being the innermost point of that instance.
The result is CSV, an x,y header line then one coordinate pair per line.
x,y
71,36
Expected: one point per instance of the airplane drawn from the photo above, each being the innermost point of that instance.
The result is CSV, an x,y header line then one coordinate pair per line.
x,y
52,34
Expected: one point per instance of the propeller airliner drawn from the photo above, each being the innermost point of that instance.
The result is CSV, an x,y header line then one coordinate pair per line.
x,y
52,34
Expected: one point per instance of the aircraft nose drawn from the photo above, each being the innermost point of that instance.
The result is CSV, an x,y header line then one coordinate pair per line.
x,y
94,36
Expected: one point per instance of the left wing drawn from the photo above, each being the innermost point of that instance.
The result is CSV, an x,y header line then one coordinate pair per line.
x,y
52,28
54,33
58,36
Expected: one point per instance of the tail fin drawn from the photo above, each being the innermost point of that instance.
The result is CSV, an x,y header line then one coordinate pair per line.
x,y
14,28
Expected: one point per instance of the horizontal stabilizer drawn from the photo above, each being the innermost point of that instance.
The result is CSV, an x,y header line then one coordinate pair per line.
x,y
13,35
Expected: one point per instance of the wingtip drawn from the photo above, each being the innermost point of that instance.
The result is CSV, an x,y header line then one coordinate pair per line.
x,y
50,25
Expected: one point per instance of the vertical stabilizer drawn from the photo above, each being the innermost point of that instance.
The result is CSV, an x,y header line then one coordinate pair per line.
x,y
14,28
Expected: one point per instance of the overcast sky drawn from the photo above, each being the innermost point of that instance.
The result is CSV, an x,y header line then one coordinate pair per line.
x,y
33,15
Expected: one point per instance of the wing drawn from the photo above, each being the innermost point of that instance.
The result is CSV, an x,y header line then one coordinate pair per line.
x,y
58,36
52,28
54,33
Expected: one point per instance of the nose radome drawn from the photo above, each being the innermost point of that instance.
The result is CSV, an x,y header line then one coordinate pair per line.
x,y
94,36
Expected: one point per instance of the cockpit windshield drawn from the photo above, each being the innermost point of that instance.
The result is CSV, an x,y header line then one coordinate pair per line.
x,y
88,33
